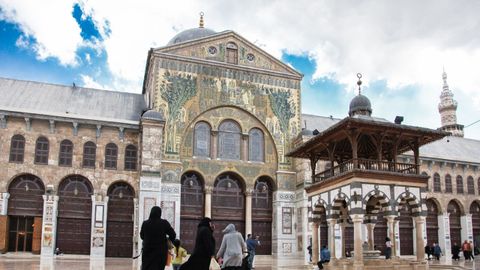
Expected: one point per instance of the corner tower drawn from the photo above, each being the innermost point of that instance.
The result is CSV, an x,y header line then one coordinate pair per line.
x,y
448,110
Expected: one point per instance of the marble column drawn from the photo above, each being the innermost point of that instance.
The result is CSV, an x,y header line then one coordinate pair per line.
x,y
467,230
208,201
419,225
444,234
331,236
391,232
357,239
244,147
343,226
99,225
248,211
371,237
315,243
49,225
214,143
4,203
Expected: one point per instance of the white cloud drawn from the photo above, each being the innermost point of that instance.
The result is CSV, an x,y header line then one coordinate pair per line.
x,y
402,42
89,82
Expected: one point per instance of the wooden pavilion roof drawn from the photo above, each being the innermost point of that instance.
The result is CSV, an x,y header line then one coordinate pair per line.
x,y
371,132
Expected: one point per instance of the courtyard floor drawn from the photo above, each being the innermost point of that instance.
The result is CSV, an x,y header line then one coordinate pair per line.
x,y
12,261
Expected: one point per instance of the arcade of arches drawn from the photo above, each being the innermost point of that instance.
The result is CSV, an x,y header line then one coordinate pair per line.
x,y
228,201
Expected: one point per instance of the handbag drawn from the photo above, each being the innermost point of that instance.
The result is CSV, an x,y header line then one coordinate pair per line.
x,y
214,265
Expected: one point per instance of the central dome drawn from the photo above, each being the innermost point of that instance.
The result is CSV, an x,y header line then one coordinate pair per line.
x,y
191,34
360,105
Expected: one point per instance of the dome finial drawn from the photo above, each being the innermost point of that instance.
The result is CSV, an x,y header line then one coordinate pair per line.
x,y
201,19
359,83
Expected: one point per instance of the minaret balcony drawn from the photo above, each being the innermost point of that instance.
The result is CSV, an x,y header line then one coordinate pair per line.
x,y
361,165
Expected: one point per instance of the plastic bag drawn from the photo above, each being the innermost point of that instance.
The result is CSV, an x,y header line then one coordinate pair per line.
x,y
214,265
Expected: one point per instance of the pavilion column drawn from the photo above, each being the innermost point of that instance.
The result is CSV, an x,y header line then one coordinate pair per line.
x,y
208,201
331,236
214,144
357,241
248,211
419,225
343,226
391,232
371,237
315,250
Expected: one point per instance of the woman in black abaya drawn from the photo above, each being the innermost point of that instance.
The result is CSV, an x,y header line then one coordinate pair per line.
x,y
204,247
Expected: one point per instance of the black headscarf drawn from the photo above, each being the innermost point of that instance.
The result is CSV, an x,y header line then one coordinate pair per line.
x,y
155,213
205,222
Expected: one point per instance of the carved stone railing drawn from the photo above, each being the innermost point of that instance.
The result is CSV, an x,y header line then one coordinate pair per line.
x,y
367,165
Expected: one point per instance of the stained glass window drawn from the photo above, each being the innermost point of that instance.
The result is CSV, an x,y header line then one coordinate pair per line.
x,y
229,140
255,145
202,140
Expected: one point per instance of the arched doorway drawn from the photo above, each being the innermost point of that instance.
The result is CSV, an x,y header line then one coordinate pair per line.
x,y
192,209
25,211
228,204
262,214
380,232
432,222
375,214
120,212
475,211
323,227
455,224
346,226
74,215
405,223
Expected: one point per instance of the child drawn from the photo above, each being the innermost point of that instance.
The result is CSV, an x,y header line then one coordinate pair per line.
x,y
180,253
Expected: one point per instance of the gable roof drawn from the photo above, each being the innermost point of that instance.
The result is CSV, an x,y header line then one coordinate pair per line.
x,y
224,34
70,102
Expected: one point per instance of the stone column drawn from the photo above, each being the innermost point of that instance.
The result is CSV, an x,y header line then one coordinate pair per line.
x,y
4,203
331,236
49,225
248,211
444,234
391,232
99,225
244,147
208,201
371,237
214,143
315,244
420,244
467,230
342,235
357,241
136,227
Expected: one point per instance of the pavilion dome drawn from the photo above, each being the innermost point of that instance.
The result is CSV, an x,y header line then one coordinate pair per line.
x,y
360,105
306,132
153,115
191,34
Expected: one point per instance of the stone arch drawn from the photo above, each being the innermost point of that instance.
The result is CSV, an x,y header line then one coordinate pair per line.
x,y
455,210
433,211
339,202
459,204
382,198
412,201
267,178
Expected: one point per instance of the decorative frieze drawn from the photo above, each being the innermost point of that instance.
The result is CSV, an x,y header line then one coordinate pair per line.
x,y
52,126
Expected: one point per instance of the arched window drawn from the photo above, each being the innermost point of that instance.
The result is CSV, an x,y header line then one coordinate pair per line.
x,y
66,153
17,148
448,184
459,184
229,140
89,153
41,151
111,155
131,158
436,183
255,145
232,53
201,140
470,185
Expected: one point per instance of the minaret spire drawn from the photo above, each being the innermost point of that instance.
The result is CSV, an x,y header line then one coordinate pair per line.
x,y
202,24
448,110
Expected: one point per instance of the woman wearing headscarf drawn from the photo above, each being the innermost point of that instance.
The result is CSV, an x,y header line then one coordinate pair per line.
x,y
204,247
231,250
154,235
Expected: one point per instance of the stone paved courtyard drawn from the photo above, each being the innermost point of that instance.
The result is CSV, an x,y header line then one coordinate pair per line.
x,y
69,262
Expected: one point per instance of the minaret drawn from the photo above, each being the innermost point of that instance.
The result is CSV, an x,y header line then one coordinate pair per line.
x,y
448,110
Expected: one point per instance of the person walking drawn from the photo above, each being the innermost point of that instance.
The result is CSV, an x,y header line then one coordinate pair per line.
x,y
154,233
231,249
437,251
428,251
388,248
204,247
471,250
180,253
455,252
252,244
466,250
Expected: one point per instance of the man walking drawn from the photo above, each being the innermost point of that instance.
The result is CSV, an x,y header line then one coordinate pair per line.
x,y
252,244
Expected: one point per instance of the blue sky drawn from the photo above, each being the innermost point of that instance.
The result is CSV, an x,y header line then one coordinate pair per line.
x,y
400,48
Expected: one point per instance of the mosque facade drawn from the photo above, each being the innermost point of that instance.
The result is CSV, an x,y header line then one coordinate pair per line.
x,y
208,136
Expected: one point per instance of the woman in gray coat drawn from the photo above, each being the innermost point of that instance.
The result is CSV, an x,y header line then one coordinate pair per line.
x,y
232,248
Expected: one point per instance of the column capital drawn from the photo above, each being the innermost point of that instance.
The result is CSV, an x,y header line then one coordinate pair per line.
x,y
332,221
249,192
208,189
420,219
4,195
357,218
214,132
315,225
391,218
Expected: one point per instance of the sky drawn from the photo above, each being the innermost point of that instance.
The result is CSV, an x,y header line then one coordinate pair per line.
x,y
400,47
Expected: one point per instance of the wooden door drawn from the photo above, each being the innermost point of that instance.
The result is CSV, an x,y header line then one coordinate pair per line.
x,y
74,215
380,233
455,223
228,205
349,238
262,215
20,234
120,220
432,222
3,234
37,235
475,211
192,208
406,233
